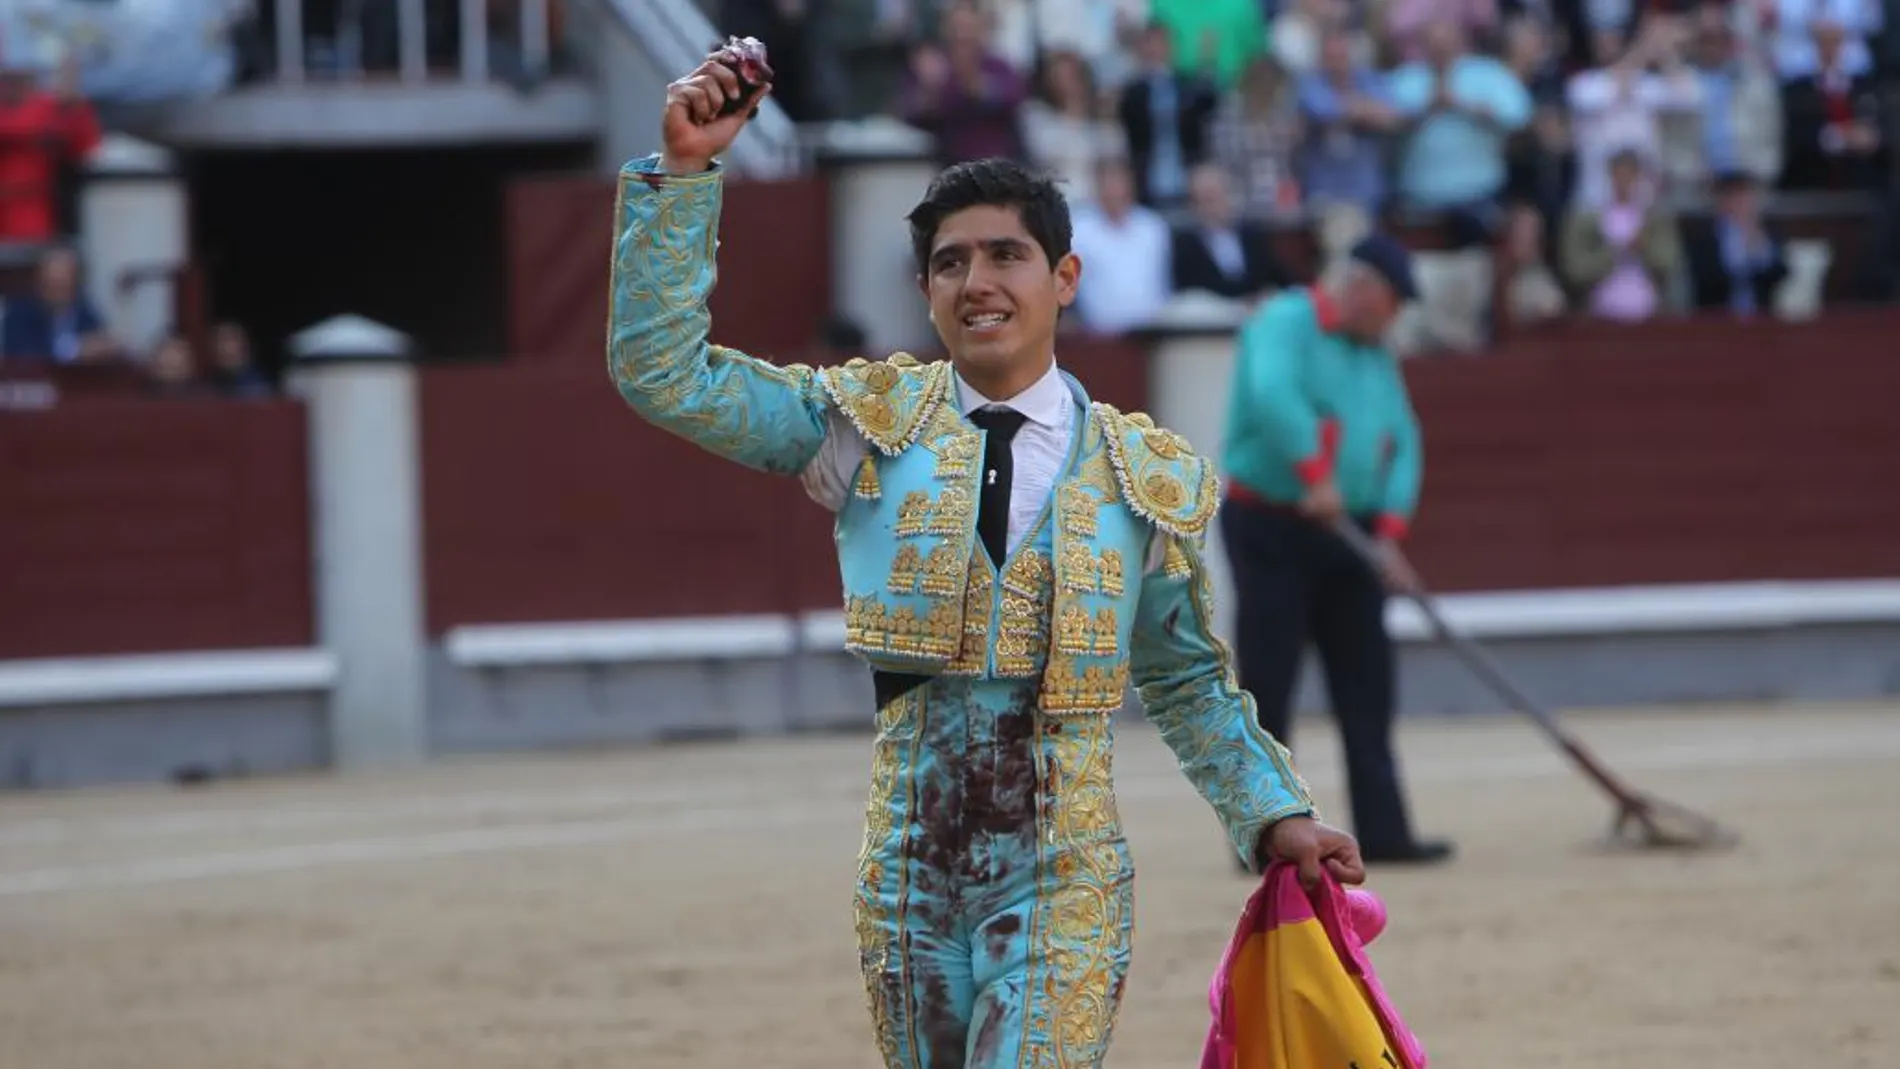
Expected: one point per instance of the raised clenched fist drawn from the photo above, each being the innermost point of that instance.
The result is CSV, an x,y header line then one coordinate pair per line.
x,y
706,109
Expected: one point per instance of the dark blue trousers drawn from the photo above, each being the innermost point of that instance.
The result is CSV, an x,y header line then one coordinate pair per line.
x,y
1298,583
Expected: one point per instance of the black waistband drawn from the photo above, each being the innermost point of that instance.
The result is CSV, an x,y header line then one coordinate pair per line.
x,y
890,686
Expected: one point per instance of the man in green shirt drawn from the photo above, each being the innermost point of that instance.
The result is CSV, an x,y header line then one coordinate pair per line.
x,y
1215,39
1320,431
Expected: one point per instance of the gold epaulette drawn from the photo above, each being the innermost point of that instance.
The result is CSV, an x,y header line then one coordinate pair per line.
x,y
1160,476
888,401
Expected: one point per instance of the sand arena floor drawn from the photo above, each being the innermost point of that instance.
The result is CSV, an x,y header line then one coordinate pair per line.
x,y
689,907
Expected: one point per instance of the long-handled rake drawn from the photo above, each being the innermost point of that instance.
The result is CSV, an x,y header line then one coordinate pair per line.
x,y
1655,823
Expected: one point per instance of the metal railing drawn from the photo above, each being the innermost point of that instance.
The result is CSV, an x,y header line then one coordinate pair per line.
x,y
413,66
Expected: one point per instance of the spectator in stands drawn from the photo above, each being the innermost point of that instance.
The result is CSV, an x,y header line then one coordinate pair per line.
x,y
234,371
1532,293
1347,115
1836,140
1095,30
963,93
1540,168
869,42
1797,50
1619,104
1408,22
1124,248
1255,136
172,369
40,133
1540,163
788,29
1834,121
1298,31
1741,99
1219,251
1579,23
1624,254
1460,108
1064,129
56,322
1166,115
1736,259
1213,40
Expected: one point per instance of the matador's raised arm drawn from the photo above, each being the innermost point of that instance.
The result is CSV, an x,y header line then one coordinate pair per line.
x,y
740,407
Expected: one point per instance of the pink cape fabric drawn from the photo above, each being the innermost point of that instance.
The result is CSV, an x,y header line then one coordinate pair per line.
x,y
1281,900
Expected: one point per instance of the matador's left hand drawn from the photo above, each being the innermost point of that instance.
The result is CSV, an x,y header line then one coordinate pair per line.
x,y
1311,845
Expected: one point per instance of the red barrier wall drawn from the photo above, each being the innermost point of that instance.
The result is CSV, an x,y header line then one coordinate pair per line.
x,y
548,499
774,267
1588,456
131,526
1676,452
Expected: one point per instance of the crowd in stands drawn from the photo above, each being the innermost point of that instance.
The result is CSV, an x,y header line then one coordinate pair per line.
x,y
51,322
1614,159
48,128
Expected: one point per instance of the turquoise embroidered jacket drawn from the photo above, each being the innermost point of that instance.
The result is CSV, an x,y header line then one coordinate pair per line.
x,y
1085,615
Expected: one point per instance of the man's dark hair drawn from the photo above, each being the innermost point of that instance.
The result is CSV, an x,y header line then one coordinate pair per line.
x,y
995,183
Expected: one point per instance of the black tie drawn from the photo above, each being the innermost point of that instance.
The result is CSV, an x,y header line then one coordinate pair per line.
x,y
992,523
999,466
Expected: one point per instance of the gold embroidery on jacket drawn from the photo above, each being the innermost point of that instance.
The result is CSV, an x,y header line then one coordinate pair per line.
x,y
950,513
912,514
905,568
973,657
1076,509
866,486
944,572
1095,689
1022,640
873,627
1110,567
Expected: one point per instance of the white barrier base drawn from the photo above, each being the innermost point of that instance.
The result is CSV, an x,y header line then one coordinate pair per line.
x,y
152,677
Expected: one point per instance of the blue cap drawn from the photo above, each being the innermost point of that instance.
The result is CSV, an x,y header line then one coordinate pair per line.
x,y
1385,255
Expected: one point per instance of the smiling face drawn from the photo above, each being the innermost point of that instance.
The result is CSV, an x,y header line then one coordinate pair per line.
x,y
994,297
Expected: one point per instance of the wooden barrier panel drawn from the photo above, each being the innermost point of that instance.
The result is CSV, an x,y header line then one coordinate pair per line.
x,y
774,267
1587,456
1676,452
547,498
147,525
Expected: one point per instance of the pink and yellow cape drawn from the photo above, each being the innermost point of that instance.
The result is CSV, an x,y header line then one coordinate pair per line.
x,y
1295,989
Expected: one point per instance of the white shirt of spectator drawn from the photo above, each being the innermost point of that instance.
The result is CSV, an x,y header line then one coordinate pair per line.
x,y
1609,115
1125,268
1070,148
1794,51
1038,451
1086,27
1224,246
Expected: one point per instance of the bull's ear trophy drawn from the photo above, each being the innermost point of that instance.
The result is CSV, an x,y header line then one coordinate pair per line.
x,y
745,57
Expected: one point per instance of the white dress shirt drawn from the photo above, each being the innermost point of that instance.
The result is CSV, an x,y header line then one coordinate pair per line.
x,y
1039,451
1125,268
1223,246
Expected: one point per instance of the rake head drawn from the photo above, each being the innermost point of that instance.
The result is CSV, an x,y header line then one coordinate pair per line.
x,y
1647,823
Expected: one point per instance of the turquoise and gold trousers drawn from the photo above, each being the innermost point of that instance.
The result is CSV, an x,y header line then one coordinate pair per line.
x,y
995,903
